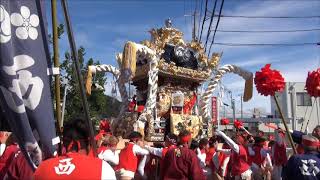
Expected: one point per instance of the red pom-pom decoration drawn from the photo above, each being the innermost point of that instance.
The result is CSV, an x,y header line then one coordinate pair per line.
x,y
269,81
313,83
238,124
224,121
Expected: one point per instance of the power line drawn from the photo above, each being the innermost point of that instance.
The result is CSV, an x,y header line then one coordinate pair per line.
x,y
209,29
194,20
200,14
268,31
214,34
191,9
269,17
204,17
265,44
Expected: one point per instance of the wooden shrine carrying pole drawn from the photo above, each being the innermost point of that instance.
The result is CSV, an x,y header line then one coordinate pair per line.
x,y
74,54
285,125
56,65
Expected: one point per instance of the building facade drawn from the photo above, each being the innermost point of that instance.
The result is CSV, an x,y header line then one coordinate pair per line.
x,y
297,107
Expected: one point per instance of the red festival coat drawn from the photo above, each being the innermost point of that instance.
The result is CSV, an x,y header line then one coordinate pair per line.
x,y
183,164
71,166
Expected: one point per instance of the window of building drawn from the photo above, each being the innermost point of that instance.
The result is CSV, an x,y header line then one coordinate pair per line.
x,y
303,99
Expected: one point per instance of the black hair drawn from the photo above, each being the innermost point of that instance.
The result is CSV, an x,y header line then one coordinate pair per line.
x,y
194,144
221,140
203,142
258,140
213,140
184,133
76,130
134,136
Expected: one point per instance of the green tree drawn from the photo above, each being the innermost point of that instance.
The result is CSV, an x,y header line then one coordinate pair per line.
x,y
100,105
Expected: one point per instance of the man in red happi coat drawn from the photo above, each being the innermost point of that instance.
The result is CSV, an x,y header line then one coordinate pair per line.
x,y
240,168
181,162
128,157
76,164
170,142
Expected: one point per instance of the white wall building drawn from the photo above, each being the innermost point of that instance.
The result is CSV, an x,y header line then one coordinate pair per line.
x,y
298,106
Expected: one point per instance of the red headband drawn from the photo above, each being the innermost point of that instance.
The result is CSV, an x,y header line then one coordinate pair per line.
x,y
309,143
185,138
72,143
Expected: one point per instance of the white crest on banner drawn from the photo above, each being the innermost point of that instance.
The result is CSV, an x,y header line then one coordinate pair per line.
x,y
65,167
27,24
5,26
26,87
309,168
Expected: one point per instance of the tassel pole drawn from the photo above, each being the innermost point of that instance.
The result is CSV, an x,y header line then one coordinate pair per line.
x,y
285,125
56,64
74,54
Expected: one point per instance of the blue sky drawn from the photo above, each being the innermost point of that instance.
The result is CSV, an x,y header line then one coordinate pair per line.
x,y
103,26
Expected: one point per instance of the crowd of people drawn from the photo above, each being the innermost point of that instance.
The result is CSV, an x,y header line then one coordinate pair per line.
x,y
225,155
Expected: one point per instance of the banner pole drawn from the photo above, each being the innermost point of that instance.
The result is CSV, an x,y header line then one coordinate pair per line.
x,y
74,54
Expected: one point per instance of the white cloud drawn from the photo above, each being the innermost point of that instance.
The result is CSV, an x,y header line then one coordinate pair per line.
x,y
263,8
292,62
256,61
297,71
